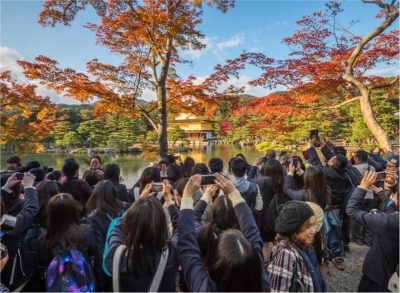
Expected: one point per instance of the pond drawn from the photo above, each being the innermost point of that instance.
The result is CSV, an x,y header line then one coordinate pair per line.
x,y
132,165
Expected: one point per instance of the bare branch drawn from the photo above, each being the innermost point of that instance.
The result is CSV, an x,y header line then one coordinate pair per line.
x,y
341,104
378,86
147,115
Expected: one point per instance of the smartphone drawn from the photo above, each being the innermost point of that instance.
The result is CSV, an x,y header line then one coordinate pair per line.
x,y
380,176
159,167
3,251
157,187
207,179
314,132
20,176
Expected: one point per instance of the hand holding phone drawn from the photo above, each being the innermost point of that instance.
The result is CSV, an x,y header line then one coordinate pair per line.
x,y
20,176
157,187
207,179
380,176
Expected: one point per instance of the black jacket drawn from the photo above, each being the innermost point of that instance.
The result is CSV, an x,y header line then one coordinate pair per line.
x,y
122,192
79,189
335,178
25,262
382,259
266,186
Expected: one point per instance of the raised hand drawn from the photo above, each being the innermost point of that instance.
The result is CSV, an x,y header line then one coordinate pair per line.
x,y
12,180
368,179
210,190
28,180
147,190
192,186
223,183
166,191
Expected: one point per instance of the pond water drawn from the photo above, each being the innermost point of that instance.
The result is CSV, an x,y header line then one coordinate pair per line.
x,y
132,165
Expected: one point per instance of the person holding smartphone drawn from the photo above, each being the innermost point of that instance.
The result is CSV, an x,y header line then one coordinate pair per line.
x,y
382,259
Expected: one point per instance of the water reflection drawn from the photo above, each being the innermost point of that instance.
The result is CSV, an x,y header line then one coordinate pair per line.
x,y
132,165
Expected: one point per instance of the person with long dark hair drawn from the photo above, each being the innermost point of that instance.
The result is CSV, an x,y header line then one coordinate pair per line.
x,y
64,232
241,156
270,185
112,173
149,175
143,231
46,190
294,266
103,206
188,165
236,262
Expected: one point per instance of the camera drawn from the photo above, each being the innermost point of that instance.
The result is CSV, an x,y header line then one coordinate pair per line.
x,y
7,223
157,187
315,133
20,176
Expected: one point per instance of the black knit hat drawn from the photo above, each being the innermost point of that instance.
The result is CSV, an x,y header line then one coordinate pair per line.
x,y
292,215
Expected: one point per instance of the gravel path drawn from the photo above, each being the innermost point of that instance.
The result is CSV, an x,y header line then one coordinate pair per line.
x,y
348,280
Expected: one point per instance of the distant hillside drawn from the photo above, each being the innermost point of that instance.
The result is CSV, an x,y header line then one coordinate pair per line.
x,y
90,106
246,97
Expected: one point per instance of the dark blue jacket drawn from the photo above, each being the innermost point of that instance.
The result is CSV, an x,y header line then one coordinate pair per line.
x,y
383,257
25,263
142,282
335,178
189,253
377,157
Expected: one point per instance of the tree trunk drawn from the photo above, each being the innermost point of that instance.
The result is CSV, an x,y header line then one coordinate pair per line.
x,y
373,125
162,122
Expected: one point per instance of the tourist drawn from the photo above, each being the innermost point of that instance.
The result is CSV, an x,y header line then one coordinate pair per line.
x,y
10,193
382,259
270,185
40,175
95,163
13,163
174,173
45,190
79,189
112,173
200,168
145,249
32,164
241,156
13,276
237,261
294,266
149,175
362,235
103,207
64,232
188,165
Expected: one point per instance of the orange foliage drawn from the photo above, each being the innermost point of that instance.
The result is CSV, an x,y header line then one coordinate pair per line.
x,y
18,104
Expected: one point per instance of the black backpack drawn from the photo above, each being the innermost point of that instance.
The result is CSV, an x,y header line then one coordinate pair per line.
x,y
272,211
355,175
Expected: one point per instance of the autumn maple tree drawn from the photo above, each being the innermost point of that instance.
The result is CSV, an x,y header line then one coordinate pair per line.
x,y
328,61
148,35
26,117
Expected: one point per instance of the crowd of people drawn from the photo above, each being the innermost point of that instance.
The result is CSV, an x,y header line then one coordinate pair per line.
x,y
193,226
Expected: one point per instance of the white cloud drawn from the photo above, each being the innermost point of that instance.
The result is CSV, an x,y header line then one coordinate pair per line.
x,y
276,24
196,54
235,41
8,61
148,95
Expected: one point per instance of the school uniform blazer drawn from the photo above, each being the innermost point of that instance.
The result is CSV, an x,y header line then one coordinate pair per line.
x,y
189,253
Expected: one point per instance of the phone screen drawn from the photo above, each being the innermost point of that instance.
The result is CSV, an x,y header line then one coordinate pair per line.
x,y
157,187
380,176
207,179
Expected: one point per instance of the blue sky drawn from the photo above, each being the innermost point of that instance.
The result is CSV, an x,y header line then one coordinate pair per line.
x,y
257,26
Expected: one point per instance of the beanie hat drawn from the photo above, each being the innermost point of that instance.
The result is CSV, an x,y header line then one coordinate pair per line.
x,y
395,160
292,215
319,215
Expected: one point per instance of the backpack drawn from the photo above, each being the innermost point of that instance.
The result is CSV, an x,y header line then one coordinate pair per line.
x,y
272,211
32,236
69,272
355,175
332,233
114,221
